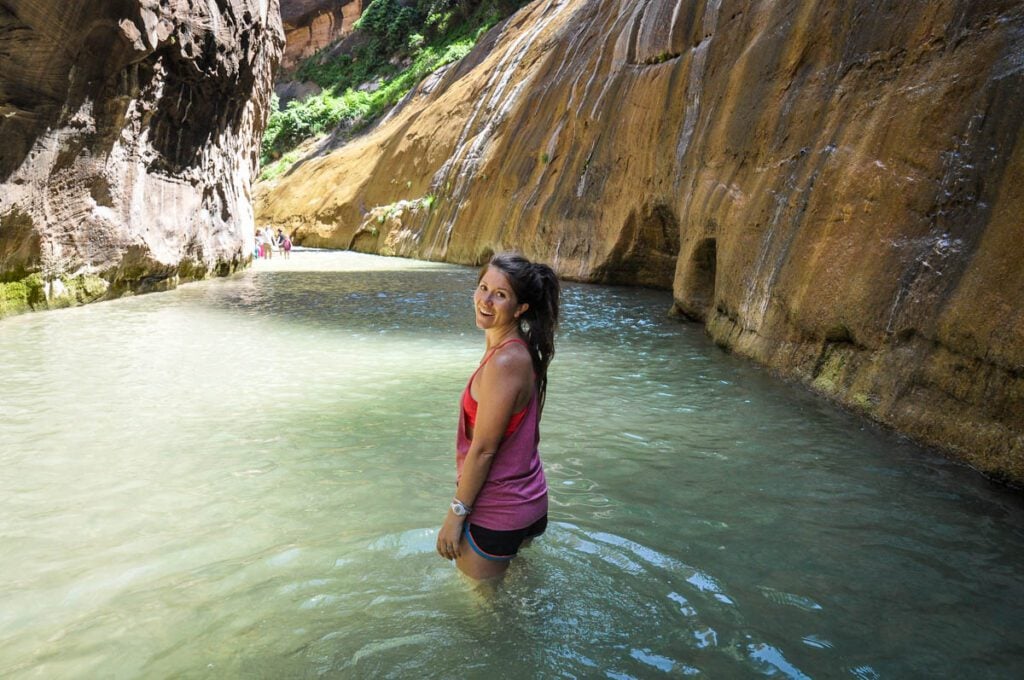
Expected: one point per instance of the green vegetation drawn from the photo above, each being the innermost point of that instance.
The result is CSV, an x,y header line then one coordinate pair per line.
x,y
394,46
280,166
85,288
661,58
398,208
30,293
20,296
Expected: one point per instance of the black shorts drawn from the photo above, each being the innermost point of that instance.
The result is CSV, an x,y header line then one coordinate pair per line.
x,y
501,546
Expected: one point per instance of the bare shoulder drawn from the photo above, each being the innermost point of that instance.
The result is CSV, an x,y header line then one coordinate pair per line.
x,y
512,360
514,356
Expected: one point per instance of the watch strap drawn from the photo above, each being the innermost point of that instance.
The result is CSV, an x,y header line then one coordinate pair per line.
x,y
460,508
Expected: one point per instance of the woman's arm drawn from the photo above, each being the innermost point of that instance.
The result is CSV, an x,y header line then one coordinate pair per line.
x,y
504,382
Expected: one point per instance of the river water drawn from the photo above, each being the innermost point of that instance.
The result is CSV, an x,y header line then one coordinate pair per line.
x,y
243,478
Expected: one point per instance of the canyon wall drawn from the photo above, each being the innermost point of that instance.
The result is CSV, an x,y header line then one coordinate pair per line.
x,y
311,25
833,189
131,137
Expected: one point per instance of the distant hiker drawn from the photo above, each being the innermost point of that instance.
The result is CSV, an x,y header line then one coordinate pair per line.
x,y
262,244
268,243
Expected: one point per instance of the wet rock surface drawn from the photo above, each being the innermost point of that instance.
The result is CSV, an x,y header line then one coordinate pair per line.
x,y
834,189
130,138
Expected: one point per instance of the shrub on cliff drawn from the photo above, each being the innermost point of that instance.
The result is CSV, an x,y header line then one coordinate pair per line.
x,y
395,44
389,23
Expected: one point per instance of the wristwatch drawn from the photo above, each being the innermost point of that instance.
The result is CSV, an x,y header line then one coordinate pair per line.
x,y
459,508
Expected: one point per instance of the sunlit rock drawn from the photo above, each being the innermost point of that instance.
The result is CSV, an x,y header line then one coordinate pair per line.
x,y
311,25
834,189
130,135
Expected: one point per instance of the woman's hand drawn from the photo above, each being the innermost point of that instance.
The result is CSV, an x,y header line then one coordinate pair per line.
x,y
449,537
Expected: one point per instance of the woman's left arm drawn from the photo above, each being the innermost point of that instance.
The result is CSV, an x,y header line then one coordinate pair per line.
x,y
502,381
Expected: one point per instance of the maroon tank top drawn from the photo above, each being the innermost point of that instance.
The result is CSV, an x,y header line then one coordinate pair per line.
x,y
515,494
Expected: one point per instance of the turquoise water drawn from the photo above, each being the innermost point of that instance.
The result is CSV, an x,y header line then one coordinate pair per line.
x,y
243,478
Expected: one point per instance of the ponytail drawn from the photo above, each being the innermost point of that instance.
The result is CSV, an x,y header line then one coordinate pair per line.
x,y
536,285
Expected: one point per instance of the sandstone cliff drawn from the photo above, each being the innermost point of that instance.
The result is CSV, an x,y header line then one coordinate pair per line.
x,y
311,25
834,189
130,137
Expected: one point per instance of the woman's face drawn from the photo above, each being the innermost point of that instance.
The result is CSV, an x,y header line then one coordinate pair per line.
x,y
495,301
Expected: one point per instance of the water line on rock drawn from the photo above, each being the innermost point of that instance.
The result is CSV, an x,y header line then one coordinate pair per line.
x,y
694,89
617,62
211,5
467,155
931,257
755,304
695,85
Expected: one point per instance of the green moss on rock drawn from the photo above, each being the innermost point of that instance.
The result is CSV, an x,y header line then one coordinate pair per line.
x,y
84,289
33,293
23,295
13,298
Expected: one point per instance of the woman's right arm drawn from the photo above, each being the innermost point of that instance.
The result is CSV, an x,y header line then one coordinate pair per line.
x,y
502,381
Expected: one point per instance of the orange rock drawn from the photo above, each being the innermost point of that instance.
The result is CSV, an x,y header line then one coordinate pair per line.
x,y
311,25
834,189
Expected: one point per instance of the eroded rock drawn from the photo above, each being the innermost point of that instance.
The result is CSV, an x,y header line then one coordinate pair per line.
x,y
130,139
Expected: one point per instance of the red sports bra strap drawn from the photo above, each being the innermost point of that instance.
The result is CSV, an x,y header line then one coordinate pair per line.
x,y
491,354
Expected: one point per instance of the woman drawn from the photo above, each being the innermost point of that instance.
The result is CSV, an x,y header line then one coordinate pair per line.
x,y
501,496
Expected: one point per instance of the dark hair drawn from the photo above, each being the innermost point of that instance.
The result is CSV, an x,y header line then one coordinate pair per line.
x,y
536,285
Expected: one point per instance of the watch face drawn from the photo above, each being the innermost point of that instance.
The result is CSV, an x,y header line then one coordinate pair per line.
x,y
459,509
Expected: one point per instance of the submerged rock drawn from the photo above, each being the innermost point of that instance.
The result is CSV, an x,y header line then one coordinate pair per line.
x,y
130,138
834,189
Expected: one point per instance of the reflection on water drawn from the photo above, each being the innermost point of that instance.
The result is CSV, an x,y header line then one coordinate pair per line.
x,y
243,478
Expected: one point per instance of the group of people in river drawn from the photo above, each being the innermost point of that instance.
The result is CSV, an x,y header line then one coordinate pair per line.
x,y
501,499
267,242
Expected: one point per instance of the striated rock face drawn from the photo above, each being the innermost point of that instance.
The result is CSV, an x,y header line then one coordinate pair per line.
x,y
130,137
834,189
311,25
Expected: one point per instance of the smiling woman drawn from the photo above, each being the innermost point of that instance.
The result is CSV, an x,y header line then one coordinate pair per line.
x,y
501,499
